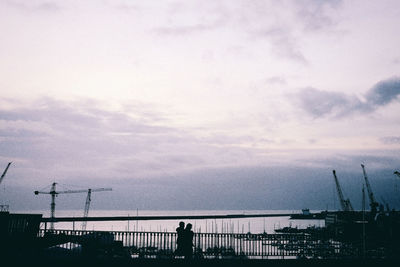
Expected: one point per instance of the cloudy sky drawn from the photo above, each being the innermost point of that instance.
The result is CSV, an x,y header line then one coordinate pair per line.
x,y
95,91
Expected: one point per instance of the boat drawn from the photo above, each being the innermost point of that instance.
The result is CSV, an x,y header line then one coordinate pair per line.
x,y
307,215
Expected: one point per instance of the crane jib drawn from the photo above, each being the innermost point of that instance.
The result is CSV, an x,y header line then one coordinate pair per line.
x,y
5,171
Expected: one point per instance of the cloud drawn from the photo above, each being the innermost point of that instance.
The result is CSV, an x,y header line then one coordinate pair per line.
x,y
33,6
284,43
61,135
284,24
314,14
188,29
83,140
185,18
276,80
318,103
383,92
389,140
280,24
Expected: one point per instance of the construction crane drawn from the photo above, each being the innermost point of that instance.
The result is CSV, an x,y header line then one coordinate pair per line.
x,y
344,203
372,202
87,203
4,172
4,208
55,193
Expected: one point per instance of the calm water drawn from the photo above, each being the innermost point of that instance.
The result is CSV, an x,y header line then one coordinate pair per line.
x,y
243,225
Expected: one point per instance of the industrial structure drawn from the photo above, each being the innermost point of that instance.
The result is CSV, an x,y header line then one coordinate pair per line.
x,y
4,207
372,202
344,203
87,203
4,172
346,235
55,193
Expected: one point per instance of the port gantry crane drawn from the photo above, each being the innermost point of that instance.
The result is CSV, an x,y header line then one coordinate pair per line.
x,y
55,193
344,203
372,202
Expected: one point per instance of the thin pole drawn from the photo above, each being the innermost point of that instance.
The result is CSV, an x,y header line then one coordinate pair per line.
x,y
363,219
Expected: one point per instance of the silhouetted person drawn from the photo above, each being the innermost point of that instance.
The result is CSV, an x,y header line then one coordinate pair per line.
x,y
188,242
180,239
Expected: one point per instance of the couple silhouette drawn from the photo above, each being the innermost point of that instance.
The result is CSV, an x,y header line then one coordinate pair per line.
x,y
184,240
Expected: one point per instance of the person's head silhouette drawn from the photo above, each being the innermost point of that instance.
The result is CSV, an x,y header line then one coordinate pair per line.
x,y
181,224
189,226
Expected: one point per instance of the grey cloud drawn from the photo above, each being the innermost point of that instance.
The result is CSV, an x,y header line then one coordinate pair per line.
x,y
261,21
33,6
64,116
276,80
389,140
283,42
384,92
184,30
205,17
258,20
50,6
314,13
372,159
320,103
69,132
80,139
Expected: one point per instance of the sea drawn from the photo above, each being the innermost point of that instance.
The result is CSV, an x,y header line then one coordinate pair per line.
x,y
241,225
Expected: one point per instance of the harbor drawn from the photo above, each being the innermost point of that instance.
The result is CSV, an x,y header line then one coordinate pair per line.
x,y
222,237
27,233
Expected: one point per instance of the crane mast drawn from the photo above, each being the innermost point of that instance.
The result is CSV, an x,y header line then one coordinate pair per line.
x,y
344,203
53,194
86,210
372,202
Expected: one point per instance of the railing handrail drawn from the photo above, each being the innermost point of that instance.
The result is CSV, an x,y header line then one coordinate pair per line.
x,y
239,244
167,232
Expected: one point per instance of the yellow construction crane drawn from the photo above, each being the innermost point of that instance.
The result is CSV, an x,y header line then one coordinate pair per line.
x,y
55,193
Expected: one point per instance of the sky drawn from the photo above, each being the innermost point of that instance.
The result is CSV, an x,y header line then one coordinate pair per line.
x,y
96,93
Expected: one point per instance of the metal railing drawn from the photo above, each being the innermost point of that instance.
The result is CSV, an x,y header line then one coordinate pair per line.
x,y
213,245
